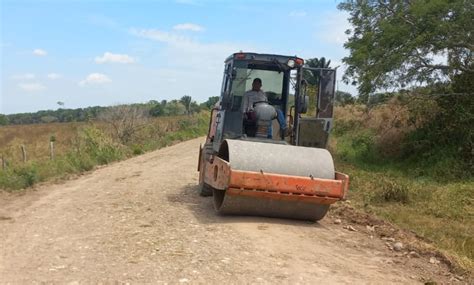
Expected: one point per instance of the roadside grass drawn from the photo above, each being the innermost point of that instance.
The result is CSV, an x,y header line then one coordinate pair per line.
x,y
431,196
82,146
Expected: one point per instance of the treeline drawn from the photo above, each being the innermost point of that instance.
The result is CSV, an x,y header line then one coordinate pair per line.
x,y
183,106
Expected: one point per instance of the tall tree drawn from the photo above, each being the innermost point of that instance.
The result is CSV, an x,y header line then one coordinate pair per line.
x,y
3,120
394,44
211,102
186,101
312,76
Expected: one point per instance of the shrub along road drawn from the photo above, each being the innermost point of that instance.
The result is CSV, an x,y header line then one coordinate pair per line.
x,y
141,220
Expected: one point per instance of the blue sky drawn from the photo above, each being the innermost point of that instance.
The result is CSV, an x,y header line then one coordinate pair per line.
x,y
87,53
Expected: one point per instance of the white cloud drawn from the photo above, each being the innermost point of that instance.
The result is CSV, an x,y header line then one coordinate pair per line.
x,y
188,27
161,36
40,52
26,76
192,54
298,14
196,66
31,87
109,57
95,78
54,76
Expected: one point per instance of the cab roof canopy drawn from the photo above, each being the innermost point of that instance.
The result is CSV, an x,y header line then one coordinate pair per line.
x,y
262,57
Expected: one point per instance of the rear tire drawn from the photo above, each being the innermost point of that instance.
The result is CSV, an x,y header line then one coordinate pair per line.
x,y
204,190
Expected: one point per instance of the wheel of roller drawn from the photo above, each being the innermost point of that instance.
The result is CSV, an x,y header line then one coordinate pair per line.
x,y
276,159
204,189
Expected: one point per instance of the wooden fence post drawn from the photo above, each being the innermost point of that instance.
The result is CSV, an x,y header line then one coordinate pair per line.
x,y
51,149
23,152
4,163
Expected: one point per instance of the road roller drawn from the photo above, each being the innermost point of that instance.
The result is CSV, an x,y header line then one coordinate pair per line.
x,y
263,155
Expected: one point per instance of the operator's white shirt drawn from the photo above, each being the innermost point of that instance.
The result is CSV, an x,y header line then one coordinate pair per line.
x,y
251,97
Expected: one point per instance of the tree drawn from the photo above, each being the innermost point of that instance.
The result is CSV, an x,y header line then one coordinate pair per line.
x,y
3,120
312,77
343,98
174,108
186,101
194,107
125,121
157,110
211,102
394,44
48,119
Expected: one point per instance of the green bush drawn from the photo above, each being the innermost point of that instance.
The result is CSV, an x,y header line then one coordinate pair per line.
x,y
28,174
100,147
137,149
390,190
78,162
19,177
343,127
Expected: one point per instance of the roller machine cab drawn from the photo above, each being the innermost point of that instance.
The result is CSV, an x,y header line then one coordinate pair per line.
x,y
253,165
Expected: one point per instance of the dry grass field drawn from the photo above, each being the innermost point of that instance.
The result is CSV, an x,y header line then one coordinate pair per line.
x,y
80,146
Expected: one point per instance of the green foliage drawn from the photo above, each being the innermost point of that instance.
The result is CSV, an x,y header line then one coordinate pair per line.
x,y
343,98
100,147
194,108
379,98
389,190
355,145
28,174
312,77
137,149
19,177
393,43
59,115
3,120
157,110
48,119
428,188
174,108
77,162
438,211
153,107
444,137
186,101
421,142
209,104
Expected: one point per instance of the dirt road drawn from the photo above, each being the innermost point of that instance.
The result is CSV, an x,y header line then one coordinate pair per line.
x,y
142,221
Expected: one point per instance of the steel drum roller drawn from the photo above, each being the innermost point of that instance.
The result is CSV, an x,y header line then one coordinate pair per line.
x,y
276,159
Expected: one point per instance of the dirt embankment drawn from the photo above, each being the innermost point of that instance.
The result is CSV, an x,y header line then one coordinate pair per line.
x,y
141,220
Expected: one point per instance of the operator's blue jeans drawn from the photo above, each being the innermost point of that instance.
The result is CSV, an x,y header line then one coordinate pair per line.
x,y
281,120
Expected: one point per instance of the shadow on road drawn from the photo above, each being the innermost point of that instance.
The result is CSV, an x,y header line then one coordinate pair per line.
x,y
203,209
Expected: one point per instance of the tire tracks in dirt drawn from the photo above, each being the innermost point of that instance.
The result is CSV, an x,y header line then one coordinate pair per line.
x,y
142,221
